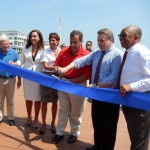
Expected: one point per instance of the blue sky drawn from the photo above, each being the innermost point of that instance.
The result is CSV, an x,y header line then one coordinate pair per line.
x,y
87,16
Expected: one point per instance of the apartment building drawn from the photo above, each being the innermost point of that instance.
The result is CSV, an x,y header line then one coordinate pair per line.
x,y
17,40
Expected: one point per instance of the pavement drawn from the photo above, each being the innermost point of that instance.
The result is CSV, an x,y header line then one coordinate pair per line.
x,y
20,138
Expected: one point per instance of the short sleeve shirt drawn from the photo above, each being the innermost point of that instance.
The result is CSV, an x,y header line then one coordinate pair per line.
x,y
65,57
10,55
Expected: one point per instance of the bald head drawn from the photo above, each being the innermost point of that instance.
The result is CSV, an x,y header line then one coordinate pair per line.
x,y
129,36
134,30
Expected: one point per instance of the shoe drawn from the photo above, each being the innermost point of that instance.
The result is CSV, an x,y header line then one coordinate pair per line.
x,y
28,123
11,122
57,138
89,100
34,128
92,148
35,125
72,139
42,129
53,129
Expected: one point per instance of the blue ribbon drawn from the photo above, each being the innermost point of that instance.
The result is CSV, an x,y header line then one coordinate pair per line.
x,y
131,99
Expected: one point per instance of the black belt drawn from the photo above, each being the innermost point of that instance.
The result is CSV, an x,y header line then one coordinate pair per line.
x,y
67,77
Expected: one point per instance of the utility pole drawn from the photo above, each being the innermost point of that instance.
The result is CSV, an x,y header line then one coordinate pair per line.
x,y
60,29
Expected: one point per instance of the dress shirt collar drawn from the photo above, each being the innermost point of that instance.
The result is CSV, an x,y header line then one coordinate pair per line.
x,y
8,52
133,48
79,52
108,50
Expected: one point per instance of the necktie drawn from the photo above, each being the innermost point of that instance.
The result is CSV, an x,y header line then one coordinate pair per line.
x,y
120,70
98,68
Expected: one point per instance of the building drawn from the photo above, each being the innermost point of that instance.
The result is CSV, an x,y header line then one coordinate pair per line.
x,y
17,40
46,44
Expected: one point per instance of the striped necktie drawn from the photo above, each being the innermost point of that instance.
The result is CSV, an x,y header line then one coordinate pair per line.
x,y
98,68
120,70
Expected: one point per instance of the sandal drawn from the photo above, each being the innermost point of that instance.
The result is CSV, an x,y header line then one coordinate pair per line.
x,y
28,123
35,126
42,129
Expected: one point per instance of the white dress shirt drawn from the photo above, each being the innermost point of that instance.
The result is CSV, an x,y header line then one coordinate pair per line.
x,y
49,57
136,70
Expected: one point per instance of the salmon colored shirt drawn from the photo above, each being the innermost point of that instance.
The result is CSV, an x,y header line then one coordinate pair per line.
x,y
65,57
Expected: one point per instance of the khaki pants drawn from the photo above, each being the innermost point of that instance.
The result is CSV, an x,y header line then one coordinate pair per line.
x,y
7,89
71,108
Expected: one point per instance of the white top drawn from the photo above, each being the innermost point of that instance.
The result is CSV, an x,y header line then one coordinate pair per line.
x,y
31,89
26,60
48,56
136,70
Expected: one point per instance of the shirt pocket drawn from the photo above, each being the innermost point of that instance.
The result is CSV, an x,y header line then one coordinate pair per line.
x,y
106,68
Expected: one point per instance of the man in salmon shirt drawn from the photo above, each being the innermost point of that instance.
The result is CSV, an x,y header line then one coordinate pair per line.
x,y
71,106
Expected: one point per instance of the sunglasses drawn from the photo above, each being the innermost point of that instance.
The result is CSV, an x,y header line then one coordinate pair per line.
x,y
123,35
88,45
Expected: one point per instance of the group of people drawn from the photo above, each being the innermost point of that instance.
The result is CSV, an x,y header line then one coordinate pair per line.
x,y
106,67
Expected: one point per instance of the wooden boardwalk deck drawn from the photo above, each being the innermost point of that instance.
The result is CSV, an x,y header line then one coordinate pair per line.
x,y
20,138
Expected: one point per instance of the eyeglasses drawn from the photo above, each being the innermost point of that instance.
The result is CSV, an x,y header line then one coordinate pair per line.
x,y
88,45
123,35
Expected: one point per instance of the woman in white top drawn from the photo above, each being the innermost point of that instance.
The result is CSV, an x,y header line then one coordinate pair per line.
x,y
48,94
30,59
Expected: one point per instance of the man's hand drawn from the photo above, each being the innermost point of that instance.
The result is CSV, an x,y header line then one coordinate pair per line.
x,y
10,62
61,71
125,88
13,63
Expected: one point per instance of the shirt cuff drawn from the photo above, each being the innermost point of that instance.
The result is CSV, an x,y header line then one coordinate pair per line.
x,y
137,87
134,86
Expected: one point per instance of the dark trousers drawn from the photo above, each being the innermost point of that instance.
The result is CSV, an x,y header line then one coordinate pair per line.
x,y
105,118
138,124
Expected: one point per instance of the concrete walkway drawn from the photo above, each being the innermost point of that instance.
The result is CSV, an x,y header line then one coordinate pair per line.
x,y
20,138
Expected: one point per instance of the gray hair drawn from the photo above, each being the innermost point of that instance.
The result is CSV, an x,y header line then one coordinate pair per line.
x,y
3,38
107,32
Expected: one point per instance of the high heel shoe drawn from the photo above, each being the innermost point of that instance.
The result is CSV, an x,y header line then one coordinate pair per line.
x,y
35,126
42,129
28,123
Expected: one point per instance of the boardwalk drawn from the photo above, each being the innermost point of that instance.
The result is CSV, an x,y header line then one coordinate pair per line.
x,y
20,138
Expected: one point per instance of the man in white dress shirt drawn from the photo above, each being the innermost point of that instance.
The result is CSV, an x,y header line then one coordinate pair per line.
x,y
135,76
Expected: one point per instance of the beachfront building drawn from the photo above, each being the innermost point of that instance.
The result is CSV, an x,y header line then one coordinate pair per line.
x,y
46,44
17,40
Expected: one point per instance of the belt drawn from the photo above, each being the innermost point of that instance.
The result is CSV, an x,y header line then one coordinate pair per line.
x,y
66,77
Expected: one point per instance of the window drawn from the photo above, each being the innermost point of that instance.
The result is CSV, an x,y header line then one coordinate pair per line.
x,y
15,42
